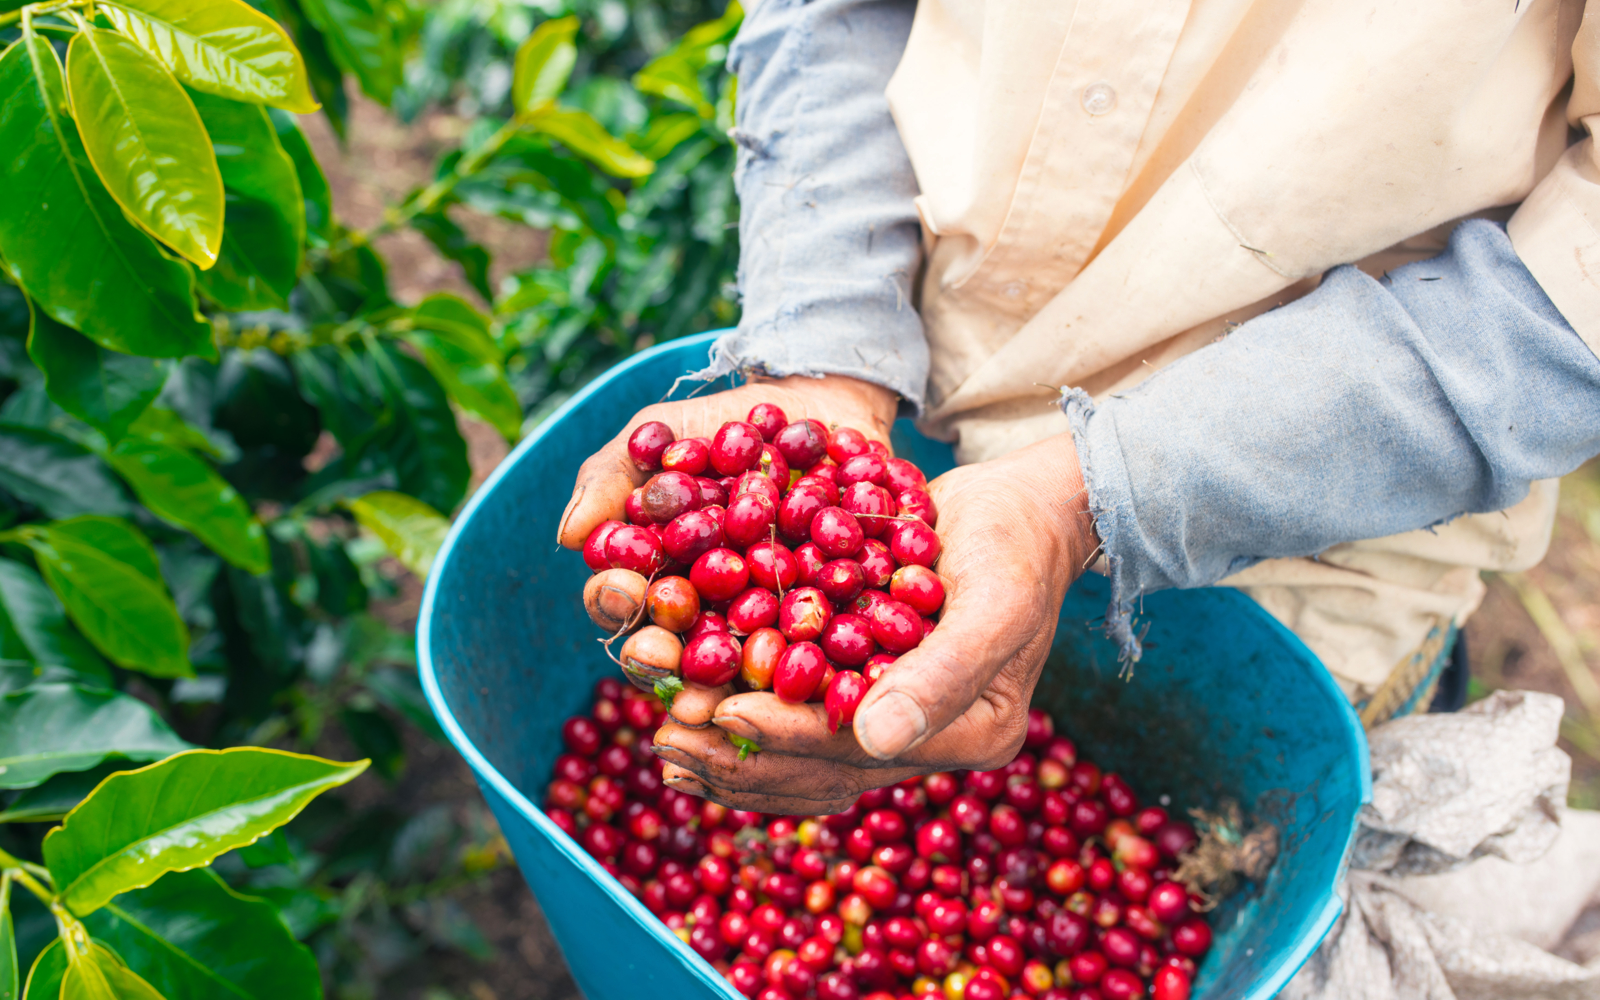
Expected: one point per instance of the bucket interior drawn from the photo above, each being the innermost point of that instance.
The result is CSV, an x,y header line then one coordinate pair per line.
x,y
1226,704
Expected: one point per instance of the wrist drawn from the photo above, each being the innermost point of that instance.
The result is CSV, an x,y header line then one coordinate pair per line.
x,y
1052,473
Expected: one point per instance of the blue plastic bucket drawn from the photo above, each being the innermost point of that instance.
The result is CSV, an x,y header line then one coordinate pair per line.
x,y
1226,704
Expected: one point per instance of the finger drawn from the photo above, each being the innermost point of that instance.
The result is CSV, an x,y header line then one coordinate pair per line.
x,y
760,802
604,482
696,703
980,631
711,757
787,728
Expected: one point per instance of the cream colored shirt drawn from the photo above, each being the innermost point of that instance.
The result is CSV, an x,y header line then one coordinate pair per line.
x,y
1105,187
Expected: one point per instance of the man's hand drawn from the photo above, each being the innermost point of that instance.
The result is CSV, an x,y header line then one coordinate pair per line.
x,y
609,475
1015,534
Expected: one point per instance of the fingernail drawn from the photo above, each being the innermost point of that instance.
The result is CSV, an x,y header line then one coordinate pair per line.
x,y
670,754
737,726
891,725
561,526
687,786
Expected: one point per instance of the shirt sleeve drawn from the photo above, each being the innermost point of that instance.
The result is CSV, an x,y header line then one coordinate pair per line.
x,y
1367,408
829,234
1556,229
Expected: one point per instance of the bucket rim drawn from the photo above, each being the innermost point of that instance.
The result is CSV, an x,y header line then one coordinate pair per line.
x,y
1266,986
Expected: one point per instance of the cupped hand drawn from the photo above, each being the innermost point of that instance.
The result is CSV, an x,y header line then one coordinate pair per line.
x,y
1015,534
607,477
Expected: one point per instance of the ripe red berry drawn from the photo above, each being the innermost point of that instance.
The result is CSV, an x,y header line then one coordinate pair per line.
x,y
646,444
1150,820
868,468
913,543
749,519
847,640
668,494
581,735
835,531
712,493
1168,902
846,444
935,958
918,503
798,510
768,418
803,613
754,609
1169,984
735,448
903,475
755,482
969,813
1174,838
772,566
844,695
820,484
799,672
711,659
594,555
633,547
802,443
809,560
719,574
1192,937
690,455
841,580
872,506
876,664
1088,817
895,626
774,466
921,589
1120,984
939,840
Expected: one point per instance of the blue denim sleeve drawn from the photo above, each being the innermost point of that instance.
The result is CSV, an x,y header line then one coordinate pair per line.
x,y
828,229
1364,409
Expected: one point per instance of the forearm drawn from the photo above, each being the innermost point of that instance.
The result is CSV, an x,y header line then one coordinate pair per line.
x,y
1365,409
828,228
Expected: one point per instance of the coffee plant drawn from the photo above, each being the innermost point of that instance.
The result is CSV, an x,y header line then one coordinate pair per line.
x,y
216,424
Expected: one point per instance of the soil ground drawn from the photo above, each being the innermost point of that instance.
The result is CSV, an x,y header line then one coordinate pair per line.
x,y
1538,630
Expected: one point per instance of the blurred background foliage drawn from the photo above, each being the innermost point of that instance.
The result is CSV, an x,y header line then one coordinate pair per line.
x,y
333,409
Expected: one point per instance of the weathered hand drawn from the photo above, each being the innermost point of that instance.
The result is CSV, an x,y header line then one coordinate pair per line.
x,y
609,475
1015,534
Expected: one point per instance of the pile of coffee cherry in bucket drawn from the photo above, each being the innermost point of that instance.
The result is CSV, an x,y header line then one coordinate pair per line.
x,y
779,555
1043,879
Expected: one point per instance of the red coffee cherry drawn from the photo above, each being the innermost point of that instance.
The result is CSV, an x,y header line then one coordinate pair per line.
x,y
735,448
646,444
691,455
768,418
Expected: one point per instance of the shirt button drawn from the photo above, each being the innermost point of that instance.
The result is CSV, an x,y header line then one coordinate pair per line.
x,y
1099,98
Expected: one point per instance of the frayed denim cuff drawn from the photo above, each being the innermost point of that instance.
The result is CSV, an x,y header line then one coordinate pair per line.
x,y
1105,476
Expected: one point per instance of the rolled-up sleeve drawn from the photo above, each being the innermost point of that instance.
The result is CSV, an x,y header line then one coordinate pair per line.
x,y
1556,230
1365,409
829,232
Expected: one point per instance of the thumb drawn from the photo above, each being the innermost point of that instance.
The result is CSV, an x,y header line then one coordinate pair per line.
x,y
601,492
934,684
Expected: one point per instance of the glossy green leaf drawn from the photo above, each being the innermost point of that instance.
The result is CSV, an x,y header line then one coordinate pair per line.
x,y
44,979
66,240
128,616
98,974
163,426
38,620
222,47
117,539
455,345
184,490
10,975
179,814
146,142
410,529
544,63
362,41
423,443
52,728
265,236
579,132
666,133
313,185
105,389
193,938
60,477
